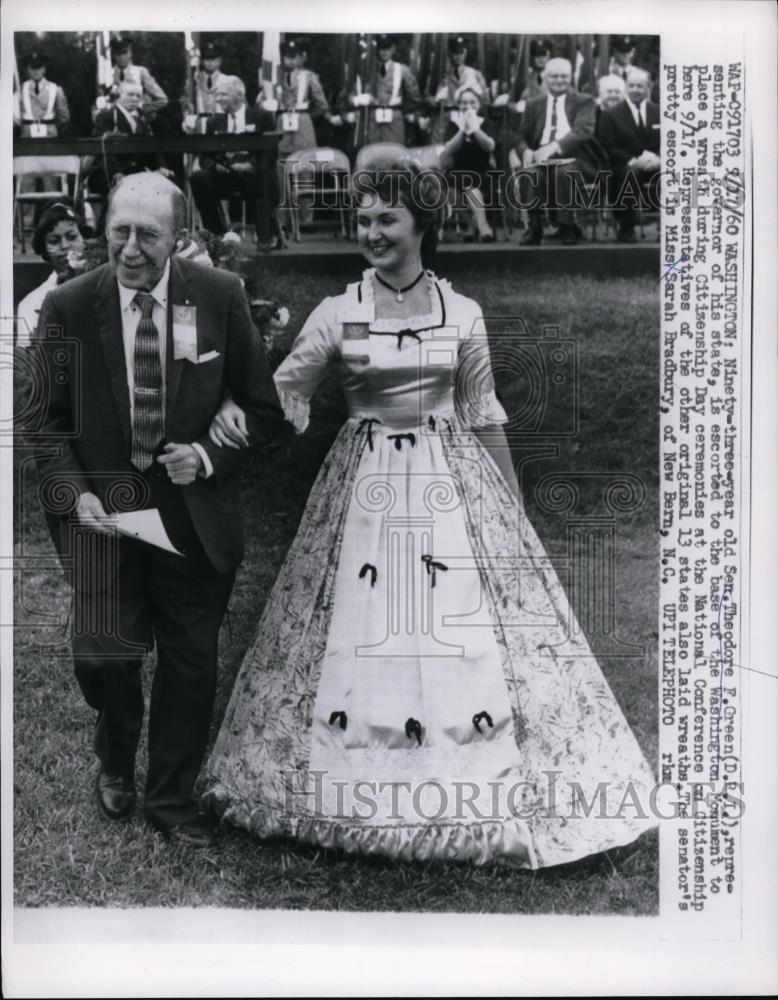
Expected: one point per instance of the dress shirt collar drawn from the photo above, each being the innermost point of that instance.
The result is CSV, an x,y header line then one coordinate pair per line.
x,y
236,120
638,110
159,292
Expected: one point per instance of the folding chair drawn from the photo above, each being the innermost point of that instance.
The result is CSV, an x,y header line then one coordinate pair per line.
x,y
317,171
59,168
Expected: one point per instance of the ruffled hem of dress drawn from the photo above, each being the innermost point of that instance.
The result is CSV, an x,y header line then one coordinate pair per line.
x,y
505,842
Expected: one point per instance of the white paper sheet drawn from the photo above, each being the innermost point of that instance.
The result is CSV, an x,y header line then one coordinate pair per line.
x,y
146,526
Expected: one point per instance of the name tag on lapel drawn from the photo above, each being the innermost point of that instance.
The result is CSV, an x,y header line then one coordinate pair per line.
x,y
185,333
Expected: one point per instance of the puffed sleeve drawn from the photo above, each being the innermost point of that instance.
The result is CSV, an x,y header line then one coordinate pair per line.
x,y
475,399
300,372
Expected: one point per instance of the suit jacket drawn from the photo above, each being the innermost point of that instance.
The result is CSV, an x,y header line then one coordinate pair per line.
x,y
114,120
579,142
89,409
263,121
622,139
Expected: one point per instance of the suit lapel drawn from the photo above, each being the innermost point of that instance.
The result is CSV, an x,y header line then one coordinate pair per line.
x,y
179,293
109,322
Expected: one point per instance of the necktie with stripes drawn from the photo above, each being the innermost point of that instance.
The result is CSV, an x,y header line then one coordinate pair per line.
x,y
147,418
552,132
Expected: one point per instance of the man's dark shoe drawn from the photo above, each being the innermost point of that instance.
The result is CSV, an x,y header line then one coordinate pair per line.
x,y
569,238
531,240
198,832
115,794
561,233
627,235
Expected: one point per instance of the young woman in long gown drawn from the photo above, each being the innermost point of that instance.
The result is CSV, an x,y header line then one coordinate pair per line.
x,y
417,687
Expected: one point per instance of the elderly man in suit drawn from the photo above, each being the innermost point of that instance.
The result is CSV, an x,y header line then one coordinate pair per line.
x,y
556,146
125,117
630,133
225,175
140,353
154,97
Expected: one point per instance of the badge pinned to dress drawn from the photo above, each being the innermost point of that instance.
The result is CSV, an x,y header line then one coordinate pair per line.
x,y
290,121
384,116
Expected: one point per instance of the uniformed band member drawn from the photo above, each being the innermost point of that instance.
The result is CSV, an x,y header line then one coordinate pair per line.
x,y
204,103
42,106
154,97
298,99
539,54
396,94
622,56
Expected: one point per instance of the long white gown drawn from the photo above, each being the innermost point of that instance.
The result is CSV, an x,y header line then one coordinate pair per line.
x,y
417,686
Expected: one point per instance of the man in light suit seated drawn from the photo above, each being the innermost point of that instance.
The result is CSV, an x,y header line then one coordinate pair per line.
x,y
557,149
244,174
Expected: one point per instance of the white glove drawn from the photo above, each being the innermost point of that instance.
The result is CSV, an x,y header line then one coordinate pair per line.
x,y
500,101
336,120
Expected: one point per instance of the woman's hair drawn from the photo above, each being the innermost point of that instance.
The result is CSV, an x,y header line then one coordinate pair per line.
x,y
60,211
401,182
467,89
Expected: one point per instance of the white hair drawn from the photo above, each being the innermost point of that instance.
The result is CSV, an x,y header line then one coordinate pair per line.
x,y
611,80
557,64
232,83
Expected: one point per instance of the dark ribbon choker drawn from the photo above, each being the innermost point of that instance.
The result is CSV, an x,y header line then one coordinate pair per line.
x,y
399,291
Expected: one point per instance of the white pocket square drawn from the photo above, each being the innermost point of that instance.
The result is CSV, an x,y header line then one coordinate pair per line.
x,y
208,356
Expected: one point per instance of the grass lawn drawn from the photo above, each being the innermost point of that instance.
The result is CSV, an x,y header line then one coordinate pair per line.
x,y
66,855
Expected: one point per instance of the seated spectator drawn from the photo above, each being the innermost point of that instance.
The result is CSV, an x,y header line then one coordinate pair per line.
x,y
42,108
224,175
154,97
458,75
611,90
469,144
125,117
556,144
630,134
59,240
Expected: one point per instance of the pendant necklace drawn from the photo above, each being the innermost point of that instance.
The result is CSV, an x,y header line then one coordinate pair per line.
x,y
399,291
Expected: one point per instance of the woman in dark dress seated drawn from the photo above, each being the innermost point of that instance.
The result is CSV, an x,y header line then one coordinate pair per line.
x,y
469,144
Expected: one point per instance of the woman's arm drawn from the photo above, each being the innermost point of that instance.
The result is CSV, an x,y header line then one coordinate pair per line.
x,y
494,441
486,142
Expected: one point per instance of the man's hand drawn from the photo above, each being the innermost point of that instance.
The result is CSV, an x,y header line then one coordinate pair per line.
x,y
546,152
91,514
228,428
182,463
528,157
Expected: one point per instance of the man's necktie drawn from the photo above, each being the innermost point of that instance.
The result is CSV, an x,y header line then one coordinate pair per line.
x,y
552,132
230,123
289,79
208,81
147,417
37,88
121,75
382,69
